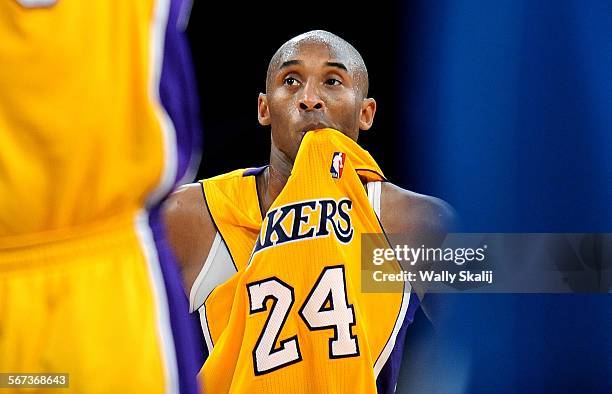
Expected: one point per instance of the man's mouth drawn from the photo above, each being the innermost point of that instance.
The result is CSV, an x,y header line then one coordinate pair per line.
x,y
313,126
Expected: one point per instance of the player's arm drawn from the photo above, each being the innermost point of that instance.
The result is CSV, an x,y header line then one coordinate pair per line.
x,y
418,220
415,215
190,230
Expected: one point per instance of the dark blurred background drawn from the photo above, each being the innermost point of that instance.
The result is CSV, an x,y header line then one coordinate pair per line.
x,y
502,108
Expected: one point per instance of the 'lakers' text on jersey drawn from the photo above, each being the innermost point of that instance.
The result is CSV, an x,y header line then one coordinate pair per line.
x,y
284,224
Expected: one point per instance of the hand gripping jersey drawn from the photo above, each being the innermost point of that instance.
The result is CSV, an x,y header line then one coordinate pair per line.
x,y
293,317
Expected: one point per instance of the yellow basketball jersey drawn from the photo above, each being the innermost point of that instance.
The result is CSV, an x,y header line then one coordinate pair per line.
x,y
98,122
234,206
97,112
293,317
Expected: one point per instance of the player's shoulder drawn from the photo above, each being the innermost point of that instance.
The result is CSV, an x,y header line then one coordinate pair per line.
x,y
228,176
189,199
188,223
404,211
186,203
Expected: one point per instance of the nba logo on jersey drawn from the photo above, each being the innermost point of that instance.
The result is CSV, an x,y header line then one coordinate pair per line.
x,y
337,165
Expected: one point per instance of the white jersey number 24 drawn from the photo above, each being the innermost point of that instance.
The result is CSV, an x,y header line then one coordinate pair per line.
x,y
326,308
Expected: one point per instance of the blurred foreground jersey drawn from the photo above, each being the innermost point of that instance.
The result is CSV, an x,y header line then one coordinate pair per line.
x,y
98,122
294,319
97,112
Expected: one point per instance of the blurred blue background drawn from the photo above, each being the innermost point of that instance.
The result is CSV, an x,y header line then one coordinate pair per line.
x,y
507,114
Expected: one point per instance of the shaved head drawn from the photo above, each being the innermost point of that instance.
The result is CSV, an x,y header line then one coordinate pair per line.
x,y
314,81
347,55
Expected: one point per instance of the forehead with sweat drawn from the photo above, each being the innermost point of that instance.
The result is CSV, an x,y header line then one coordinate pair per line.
x,y
338,48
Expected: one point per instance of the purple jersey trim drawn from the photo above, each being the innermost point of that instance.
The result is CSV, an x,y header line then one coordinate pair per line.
x,y
254,171
387,378
186,332
178,93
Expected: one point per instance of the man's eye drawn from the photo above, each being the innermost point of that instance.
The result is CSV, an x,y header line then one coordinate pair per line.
x,y
291,81
333,82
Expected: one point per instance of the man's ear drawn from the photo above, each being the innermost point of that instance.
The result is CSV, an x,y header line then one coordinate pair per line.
x,y
366,116
263,111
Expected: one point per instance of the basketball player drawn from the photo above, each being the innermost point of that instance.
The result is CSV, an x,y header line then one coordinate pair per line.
x,y
98,122
227,234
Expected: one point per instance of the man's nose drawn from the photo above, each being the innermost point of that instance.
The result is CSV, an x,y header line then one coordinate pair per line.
x,y
311,99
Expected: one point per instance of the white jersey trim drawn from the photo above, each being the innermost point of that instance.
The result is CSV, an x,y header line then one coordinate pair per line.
x,y
374,195
386,352
217,269
374,190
